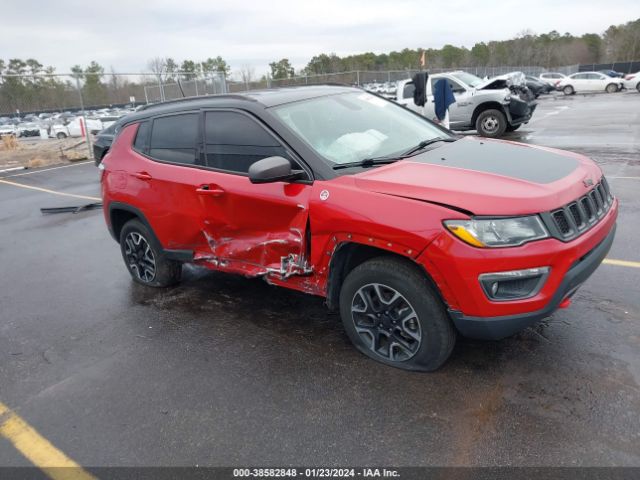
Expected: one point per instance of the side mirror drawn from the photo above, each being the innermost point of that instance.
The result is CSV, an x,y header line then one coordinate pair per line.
x,y
272,169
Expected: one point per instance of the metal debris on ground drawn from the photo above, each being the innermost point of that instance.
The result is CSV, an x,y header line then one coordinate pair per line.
x,y
75,209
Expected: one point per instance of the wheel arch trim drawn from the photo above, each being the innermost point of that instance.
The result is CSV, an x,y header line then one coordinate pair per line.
x,y
179,255
351,252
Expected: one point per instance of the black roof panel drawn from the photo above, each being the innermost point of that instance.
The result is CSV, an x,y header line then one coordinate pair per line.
x,y
266,98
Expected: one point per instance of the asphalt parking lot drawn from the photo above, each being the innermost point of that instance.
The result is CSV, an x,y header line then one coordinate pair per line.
x,y
222,370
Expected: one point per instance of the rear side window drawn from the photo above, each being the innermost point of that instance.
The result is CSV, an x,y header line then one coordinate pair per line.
x,y
142,137
235,141
175,138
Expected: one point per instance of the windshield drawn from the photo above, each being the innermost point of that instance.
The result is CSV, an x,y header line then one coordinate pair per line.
x,y
355,126
468,78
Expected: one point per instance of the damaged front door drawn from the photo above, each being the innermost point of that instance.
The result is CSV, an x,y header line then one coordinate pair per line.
x,y
249,228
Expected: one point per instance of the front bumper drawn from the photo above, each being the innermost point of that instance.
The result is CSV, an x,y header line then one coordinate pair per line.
x,y
495,328
455,268
520,111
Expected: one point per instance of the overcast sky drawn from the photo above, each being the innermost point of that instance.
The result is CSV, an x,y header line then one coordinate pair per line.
x,y
125,34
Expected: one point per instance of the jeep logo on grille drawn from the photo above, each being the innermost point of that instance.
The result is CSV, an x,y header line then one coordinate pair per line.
x,y
587,182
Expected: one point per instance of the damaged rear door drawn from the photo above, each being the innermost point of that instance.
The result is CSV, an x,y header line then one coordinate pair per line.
x,y
253,229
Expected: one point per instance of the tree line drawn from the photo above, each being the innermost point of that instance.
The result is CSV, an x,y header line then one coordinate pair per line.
x,y
617,44
34,91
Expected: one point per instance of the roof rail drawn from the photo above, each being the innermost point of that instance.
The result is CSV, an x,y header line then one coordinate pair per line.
x,y
195,98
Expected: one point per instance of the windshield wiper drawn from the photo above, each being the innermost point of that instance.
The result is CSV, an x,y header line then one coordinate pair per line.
x,y
367,162
426,143
371,162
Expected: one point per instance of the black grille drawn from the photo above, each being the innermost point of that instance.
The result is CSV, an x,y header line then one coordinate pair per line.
x,y
576,217
575,213
605,184
587,209
562,222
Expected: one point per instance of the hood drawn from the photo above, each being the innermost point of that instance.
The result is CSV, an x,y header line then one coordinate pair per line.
x,y
502,81
486,177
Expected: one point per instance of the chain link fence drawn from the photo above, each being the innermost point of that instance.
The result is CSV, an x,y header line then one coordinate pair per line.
x,y
35,94
22,94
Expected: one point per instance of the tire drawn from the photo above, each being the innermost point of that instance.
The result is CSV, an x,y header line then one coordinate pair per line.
x,y
513,128
638,87
611,88
61,135
568,90
491,123
415,334
144,257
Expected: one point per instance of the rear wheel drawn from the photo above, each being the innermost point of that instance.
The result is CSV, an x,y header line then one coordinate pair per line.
x,y
392,315
568,90
144,257
491,123
61,136
611,88
638,87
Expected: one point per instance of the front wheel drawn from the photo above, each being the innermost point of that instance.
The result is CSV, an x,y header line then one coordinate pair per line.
x,y
392,315
568,90
61,136
491,123
611,88
144,257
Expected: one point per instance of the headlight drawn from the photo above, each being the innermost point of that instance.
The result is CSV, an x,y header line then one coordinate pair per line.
x,y
498,232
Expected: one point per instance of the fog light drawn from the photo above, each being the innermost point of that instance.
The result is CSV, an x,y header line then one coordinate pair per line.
x,y
514,284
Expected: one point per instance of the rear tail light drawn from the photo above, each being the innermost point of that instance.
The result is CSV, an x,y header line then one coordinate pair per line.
x,y
629,77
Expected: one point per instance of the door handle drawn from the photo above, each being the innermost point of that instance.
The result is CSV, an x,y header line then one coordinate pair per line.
x,y
142,176
210,190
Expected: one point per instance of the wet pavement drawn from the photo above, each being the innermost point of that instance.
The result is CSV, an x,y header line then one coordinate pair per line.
x,y
222,370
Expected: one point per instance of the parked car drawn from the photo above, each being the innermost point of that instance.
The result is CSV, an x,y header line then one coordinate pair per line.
x,y
107,121
74,129
8,129
611,73
28,129
632,81
489,106
537,86
412,234
589,82
102,142
552,78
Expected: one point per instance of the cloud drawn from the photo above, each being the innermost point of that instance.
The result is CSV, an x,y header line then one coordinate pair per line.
x,y
125,34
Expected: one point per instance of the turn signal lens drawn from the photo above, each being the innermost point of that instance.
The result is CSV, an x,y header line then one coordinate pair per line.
x,y
464,235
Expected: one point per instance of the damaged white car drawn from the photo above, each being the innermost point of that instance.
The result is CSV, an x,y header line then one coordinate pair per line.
x,y
491,107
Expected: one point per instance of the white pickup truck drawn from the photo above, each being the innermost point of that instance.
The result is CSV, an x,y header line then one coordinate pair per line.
x,y
489,106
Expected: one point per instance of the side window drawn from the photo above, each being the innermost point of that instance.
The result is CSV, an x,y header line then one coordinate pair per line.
x,y
408,90
234,141
175,138
142,137
580,76
456,87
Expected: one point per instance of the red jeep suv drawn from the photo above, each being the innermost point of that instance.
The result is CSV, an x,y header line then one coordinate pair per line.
x,y
415,235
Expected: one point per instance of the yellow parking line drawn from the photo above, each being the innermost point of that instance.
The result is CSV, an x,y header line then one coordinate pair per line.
x,y
46,190
37,449
621,263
